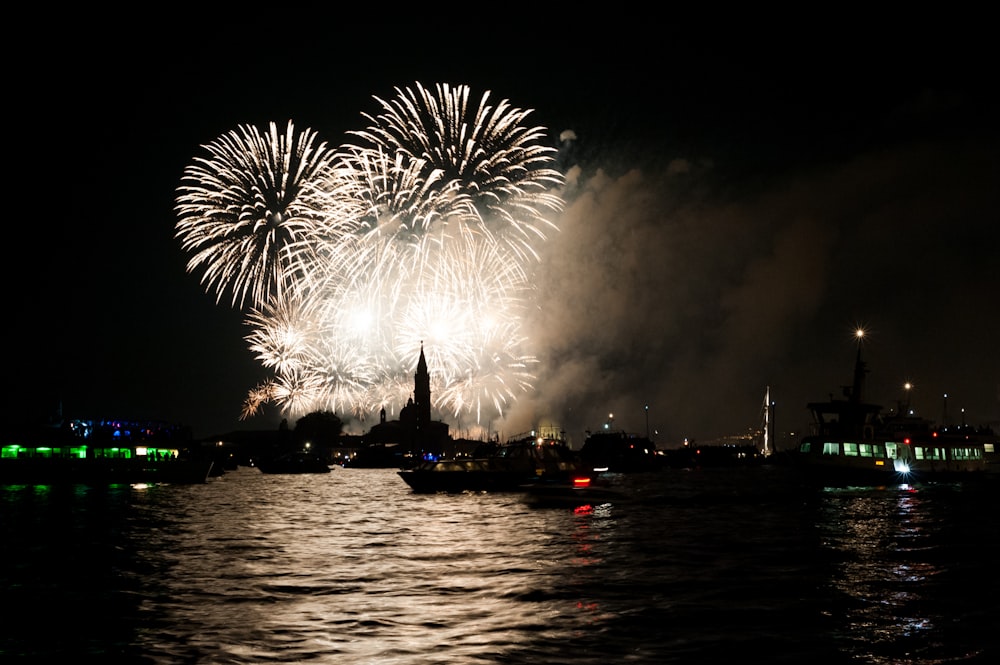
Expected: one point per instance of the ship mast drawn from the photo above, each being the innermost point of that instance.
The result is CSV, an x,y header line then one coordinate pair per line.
x,y
859,372
768,423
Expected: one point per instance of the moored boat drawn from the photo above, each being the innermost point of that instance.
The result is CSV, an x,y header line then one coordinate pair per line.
x,y
299,461
620,452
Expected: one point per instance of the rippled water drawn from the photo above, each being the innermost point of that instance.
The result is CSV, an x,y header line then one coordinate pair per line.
x,y
352,567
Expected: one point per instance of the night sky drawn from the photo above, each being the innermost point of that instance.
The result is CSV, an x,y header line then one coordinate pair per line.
x,y
738,201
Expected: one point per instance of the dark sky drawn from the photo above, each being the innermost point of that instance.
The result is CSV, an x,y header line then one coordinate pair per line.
x,y
738,200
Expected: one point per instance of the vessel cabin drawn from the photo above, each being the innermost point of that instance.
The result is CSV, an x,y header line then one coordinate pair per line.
x,y
871,455
85,451
940,454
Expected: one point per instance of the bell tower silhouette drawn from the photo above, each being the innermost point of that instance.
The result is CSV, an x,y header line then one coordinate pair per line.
x,y
422,390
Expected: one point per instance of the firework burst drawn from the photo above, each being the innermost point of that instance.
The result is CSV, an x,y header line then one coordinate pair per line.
x,y
422,230
254,212
483,156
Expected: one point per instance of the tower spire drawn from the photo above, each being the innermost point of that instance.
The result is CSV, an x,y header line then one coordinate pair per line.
x,y
422,389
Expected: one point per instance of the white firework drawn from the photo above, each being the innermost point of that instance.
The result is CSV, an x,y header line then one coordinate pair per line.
x,y
253,213
422,232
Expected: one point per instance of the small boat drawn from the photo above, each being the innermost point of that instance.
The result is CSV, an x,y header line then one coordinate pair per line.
x,y
380,456
577,491
692,456
299,461
496,467
852,443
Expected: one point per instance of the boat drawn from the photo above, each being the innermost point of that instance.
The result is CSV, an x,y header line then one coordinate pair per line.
x,y
380,456
577,491
298,461
61,462
620,452
495,467
852,443
694,456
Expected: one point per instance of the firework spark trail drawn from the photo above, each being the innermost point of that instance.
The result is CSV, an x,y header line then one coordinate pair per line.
x,y
282,333
423,230
254,210
496,161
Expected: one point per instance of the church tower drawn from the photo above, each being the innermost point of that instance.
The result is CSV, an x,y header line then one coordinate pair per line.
x,y
422,390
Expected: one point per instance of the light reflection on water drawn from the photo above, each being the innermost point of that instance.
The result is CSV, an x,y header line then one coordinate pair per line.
x,y
352,567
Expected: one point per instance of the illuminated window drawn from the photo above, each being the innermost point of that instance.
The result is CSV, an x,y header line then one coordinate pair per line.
x,y
831,448
928,453
805,447
851,449
966,453
866,449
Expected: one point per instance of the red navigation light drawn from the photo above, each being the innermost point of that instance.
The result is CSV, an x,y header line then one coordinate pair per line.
x,y
581,482
906,440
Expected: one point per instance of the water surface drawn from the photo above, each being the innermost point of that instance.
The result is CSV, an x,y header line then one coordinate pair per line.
x,y
352,567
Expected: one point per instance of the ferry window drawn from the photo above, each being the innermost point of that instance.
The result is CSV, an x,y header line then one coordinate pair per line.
x,y
805,447
851,449
878,450
865,449
962,453
831,448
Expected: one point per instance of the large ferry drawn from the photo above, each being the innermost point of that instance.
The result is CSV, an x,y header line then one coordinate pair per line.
x,y
852,442
101,453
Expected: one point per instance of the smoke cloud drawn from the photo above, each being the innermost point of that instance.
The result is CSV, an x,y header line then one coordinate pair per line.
x,y
663,290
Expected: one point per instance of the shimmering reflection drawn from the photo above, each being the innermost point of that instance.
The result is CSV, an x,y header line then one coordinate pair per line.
x,y
353,568
897,581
